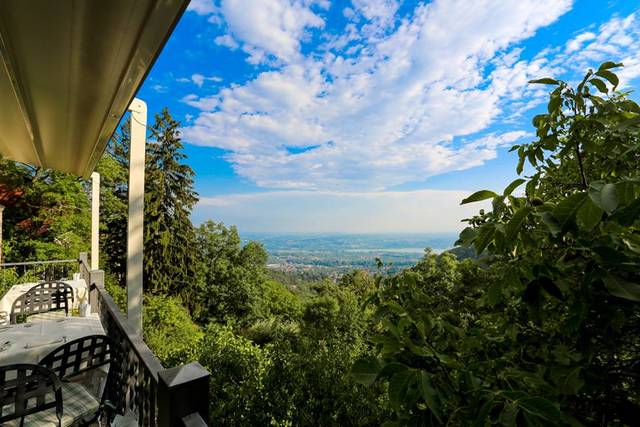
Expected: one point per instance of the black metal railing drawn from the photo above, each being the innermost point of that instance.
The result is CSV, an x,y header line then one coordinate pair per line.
x,y
145,389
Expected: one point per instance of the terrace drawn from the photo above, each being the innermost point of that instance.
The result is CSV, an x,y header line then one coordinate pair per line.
x,y
70,71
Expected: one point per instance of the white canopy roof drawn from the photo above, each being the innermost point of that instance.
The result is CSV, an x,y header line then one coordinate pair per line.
x,y
68,71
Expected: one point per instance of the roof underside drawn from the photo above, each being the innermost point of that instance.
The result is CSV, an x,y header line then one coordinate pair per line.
x,y
68,71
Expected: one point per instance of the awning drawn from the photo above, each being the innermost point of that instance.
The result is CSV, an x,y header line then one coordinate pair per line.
x,y
69,70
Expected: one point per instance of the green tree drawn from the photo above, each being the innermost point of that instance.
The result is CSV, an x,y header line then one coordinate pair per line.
x,y
543,331
170,263
46,215
233,274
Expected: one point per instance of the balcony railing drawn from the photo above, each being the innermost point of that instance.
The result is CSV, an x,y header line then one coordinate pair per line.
x,y
34,271
144,389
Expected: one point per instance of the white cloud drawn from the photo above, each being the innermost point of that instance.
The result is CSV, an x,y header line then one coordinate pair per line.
x,y
199,79
617,39
226,40
403,106
387,101
159,88
304,211
202,7
268,28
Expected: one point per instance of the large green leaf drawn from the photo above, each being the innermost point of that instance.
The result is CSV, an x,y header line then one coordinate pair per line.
x,y
589,215
485,234
541,408
613,79
604,195
515,223
565,211
366,370
551,222
609,64
545,81
515,184
398,386
478,196
621,288
625,192
628,215
430,395
600,85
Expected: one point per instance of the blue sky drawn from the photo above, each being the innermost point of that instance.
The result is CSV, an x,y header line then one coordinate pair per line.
x,y
369,115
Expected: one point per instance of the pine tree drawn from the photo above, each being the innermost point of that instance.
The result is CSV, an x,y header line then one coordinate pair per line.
x,y
169,257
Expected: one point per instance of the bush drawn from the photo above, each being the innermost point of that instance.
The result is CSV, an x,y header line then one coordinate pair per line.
x,y
238,368
169,331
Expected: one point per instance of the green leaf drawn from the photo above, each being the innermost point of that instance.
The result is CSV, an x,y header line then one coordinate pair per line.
x,y
391,369
541,408
467,236
430,395
398,388
552,223
520,166
494,294
545,81
366,370
621,288
611,77
628,215
485,235
565,211
551,288
572,382
604,196
589,215
599,84
509,414
478,196
609,64
515,184
625,192
554,103
516,221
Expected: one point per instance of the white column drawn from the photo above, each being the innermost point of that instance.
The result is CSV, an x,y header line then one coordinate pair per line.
x,y
135,227
95,220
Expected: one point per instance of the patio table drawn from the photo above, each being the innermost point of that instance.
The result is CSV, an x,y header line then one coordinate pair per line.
x,y
30,342
79,291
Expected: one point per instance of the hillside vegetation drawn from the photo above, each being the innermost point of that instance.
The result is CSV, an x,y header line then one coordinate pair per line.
x,y
537,326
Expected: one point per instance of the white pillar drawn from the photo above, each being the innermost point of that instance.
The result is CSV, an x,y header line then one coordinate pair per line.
x,y
135,227
95,220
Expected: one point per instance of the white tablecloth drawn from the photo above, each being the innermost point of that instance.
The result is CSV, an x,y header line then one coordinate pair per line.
x,y
30,342
79,292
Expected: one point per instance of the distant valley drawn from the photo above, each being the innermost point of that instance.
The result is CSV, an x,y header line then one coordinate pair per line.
x,y
335,254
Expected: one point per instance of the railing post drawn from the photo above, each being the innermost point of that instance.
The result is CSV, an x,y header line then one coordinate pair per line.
x,y
83,257
183,396
95,277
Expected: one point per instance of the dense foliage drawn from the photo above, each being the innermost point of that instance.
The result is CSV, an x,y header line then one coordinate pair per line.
x,y
538,325
544,330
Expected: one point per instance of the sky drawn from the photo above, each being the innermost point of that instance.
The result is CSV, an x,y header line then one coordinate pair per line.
x,y
370,116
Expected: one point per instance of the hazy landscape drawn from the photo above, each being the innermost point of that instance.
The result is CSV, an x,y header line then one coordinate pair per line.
x,y
340,253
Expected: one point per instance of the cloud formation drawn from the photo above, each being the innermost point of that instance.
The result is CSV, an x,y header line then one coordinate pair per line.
x,y
387,99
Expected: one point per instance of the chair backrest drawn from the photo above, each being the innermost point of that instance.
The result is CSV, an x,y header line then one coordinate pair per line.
x,y
80,355
41,298
26,389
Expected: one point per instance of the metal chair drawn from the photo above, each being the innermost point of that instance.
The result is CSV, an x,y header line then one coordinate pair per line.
x,y
82,355
27,390
42,298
